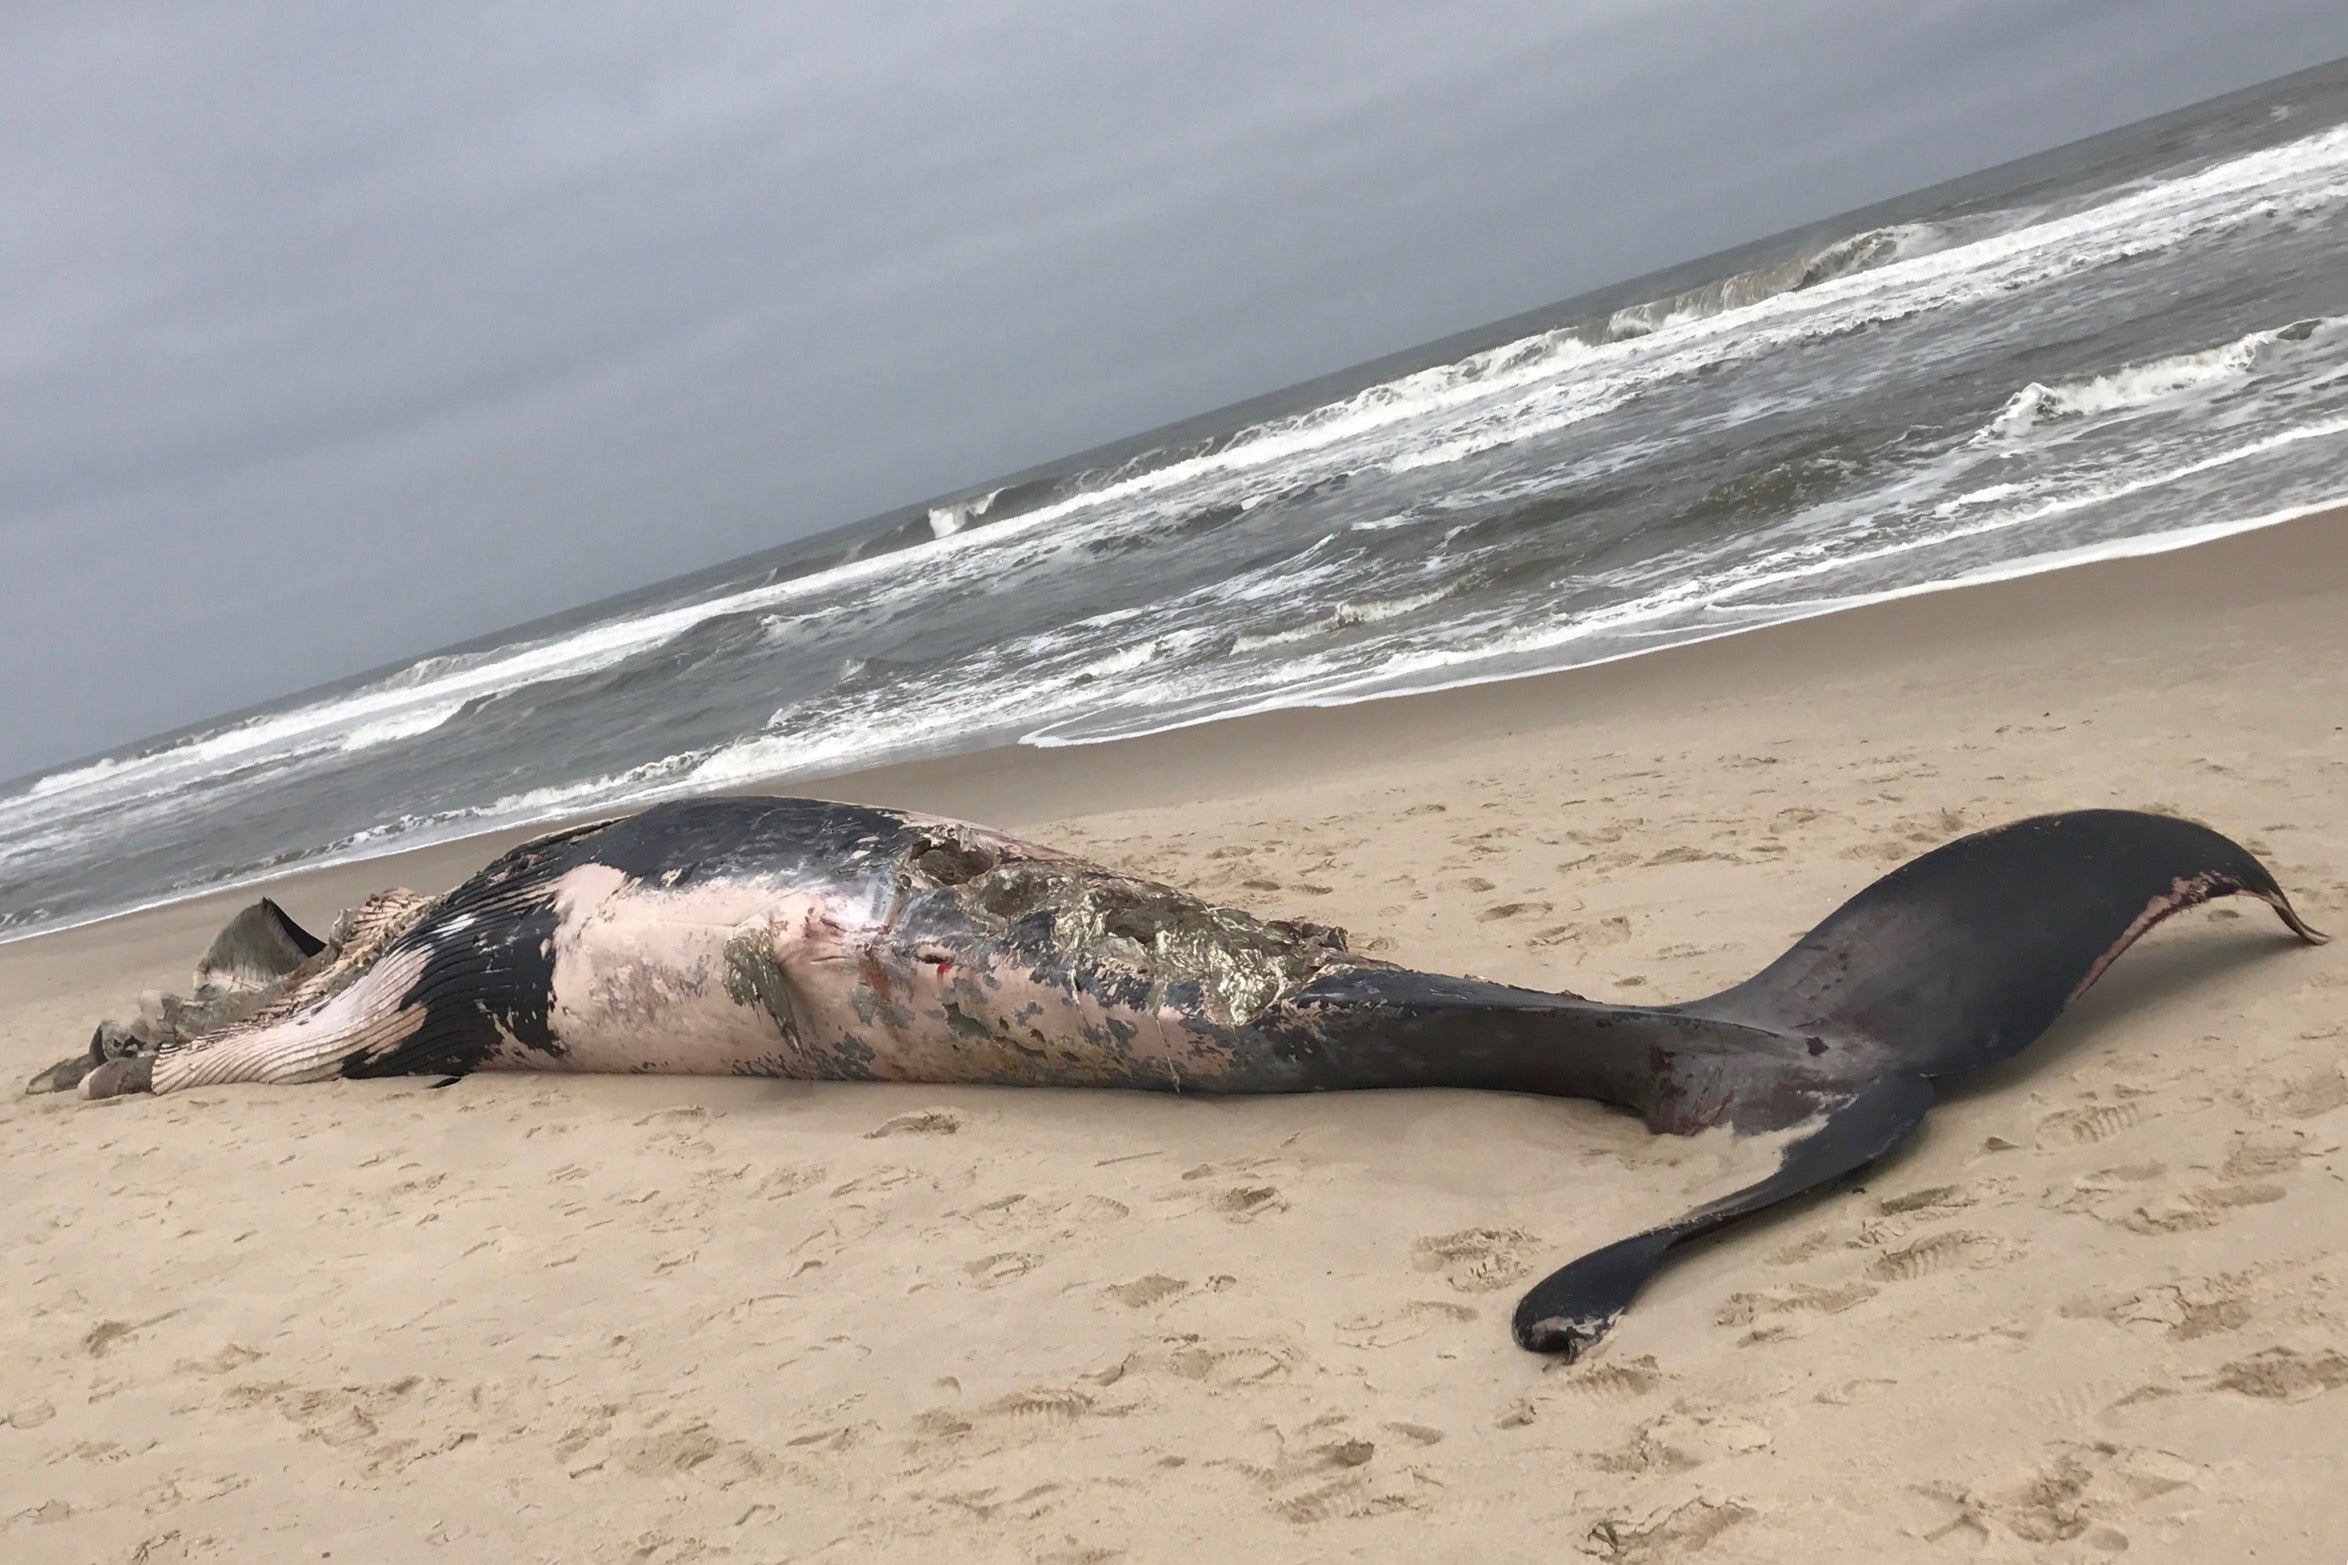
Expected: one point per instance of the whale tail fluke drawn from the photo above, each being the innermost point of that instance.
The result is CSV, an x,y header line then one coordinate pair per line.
x,y
1951,963
1572,1307
1963,957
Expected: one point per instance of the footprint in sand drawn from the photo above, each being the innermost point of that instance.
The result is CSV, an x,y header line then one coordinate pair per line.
x,y
1934,1254
1852,1392
2112,1195
2091,1189
920,1122
1612,931
1934,1198
1670,1534
1251,1196
2184,1311
1406,1323
1022,1217
1685,1437
991,1270
1801,1298
1323,1472
1144,1292
1685,855
697,1451
789,1181
2092,1123
1477,1260
2318,1092
1049,1406
2263,1153
2282,1374
1224,1363
2075,1493
1246,1203
1806,1248
940,1425
1343,1498
2204,1207
1624,1380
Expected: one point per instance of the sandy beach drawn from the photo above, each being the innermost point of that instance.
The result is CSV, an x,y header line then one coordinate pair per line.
x,y
2100,1305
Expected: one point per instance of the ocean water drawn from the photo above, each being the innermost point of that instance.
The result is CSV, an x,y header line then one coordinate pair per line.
x,y
2126,345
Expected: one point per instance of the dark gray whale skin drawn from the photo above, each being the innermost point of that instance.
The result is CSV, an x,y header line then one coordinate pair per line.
x,y
804,938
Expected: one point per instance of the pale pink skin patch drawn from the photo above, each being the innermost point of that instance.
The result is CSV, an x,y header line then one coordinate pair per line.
x,y
2184,892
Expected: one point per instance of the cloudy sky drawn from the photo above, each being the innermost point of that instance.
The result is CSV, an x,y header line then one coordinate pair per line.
x,y
329,335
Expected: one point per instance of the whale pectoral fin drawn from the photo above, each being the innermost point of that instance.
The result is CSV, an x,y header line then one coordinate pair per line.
x,y
257,949
64,1076
1573,1307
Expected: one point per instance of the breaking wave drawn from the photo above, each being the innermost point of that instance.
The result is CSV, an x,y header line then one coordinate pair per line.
x,y
2155,380
1843,258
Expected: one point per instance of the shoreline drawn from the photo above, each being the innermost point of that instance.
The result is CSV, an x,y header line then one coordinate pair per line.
x,y
915,773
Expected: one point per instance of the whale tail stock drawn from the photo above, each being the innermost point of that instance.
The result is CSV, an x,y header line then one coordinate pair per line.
x,y
1951,963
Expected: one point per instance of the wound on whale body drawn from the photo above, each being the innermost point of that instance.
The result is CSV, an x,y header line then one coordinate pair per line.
x,y
810,939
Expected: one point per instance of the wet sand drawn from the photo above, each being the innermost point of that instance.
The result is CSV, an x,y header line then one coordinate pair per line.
x,y
2099,1303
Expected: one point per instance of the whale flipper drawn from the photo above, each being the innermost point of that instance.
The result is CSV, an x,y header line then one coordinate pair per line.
x,y
255,950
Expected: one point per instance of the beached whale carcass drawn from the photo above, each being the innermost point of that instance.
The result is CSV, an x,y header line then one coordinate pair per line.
x,y
818,940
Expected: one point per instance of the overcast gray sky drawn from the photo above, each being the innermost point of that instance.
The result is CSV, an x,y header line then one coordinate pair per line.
x,y
333,334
